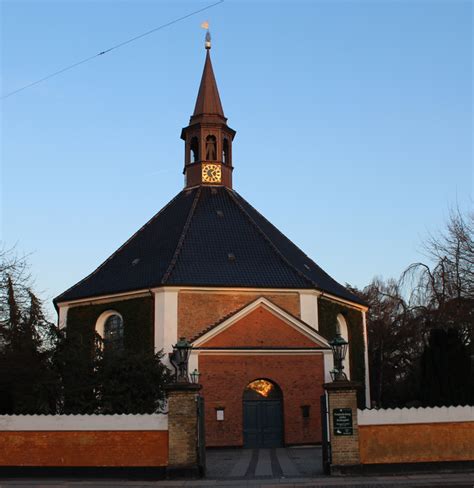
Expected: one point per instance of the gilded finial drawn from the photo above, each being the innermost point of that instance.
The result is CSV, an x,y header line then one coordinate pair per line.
x,y
205,25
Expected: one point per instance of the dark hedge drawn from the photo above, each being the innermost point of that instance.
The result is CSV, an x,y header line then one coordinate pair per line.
x,y
88,385
137,314
327,314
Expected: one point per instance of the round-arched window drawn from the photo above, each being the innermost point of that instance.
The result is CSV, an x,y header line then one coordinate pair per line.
x,y
211,152
225,152
194,150
113,334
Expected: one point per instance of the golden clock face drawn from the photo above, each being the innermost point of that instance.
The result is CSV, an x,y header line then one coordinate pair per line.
x,y
211,173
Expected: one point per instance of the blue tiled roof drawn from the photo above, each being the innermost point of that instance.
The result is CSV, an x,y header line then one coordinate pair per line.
x,y
206,236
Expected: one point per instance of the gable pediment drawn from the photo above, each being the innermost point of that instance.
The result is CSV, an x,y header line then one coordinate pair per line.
x,y
261,325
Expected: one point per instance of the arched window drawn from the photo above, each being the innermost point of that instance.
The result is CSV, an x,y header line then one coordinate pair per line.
x,y
194,150
113,334
225,152
211,152
109,326
344,331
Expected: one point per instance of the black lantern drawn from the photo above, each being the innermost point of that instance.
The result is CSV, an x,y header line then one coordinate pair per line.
x,y
195,376
179,359
339,350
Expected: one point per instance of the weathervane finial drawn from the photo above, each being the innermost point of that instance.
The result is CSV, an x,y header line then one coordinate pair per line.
x,y
205,25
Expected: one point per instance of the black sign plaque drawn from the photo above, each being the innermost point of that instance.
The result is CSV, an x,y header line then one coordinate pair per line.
x,y
342,421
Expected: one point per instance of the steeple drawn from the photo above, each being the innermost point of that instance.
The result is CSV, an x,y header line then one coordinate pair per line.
x,y
208,101
208,138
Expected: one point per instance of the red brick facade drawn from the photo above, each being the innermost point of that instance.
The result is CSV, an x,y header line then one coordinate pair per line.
x,y
197,310
224,376
260,328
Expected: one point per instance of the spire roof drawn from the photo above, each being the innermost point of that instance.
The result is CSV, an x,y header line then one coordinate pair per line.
x,y
208,101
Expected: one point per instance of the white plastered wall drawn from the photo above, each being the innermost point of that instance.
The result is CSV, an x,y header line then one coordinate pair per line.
x,y
309,308
62,316
193,362
366,360
166,321
55,423
328,365
427,415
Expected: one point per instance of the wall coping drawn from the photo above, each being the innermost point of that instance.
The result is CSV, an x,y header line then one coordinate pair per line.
x,y
157,421
345,385
420,415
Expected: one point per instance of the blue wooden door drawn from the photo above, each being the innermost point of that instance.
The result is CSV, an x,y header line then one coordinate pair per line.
x,y
262,423
262,414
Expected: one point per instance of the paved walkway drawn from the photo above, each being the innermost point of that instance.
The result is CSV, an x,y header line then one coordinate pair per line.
x,y
233,464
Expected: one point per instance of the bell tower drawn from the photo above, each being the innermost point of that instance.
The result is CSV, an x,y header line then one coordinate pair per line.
x,y
208,138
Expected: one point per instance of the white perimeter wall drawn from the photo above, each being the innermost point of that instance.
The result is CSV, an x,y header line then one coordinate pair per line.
x,y
157,421
415,415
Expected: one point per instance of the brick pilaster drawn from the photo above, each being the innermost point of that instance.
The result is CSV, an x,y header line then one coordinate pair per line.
x,y
183,429
344,448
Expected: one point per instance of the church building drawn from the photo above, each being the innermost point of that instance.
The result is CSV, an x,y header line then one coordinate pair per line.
x,y
257,310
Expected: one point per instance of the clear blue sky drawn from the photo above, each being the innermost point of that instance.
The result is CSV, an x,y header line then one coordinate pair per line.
x,y
353,119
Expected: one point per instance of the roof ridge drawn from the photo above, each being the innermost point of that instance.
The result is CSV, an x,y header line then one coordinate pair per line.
x,y
149,221
182,238
310,260
269,241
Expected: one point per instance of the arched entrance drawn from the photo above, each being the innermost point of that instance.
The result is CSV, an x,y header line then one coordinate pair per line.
x,y
263,414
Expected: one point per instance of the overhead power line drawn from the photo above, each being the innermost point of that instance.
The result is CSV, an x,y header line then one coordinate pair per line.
x,y
106,51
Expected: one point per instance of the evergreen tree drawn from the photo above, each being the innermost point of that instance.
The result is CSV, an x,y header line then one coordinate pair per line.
x,y
132,382
108,382
27,380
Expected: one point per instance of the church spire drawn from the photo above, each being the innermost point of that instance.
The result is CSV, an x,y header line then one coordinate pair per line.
x,y
208,101
208,138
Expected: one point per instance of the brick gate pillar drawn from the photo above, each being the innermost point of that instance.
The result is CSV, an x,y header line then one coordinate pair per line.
x,y
183,457
343,426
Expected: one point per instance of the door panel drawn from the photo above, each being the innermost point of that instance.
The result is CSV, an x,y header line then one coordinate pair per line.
x,y
262,424
271,423
251,424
